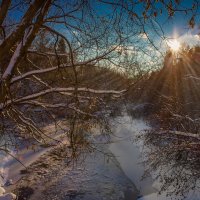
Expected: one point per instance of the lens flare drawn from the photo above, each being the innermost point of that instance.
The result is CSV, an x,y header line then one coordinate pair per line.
x,y
174,45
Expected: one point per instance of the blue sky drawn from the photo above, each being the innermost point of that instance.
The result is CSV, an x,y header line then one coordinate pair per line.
x,y
178,21
176,26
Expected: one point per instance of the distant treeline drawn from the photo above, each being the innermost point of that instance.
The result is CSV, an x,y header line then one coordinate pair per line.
x,y
174,89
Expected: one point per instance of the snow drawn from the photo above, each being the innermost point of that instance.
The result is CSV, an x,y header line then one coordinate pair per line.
x,y
40,71
34,72
2,191
46,70
185,134
16,54
83,89
6,196
192,77
130,153
59,90
46,53
123,149
152,196
13,60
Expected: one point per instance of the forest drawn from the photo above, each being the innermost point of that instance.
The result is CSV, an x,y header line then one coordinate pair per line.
x,y
99,99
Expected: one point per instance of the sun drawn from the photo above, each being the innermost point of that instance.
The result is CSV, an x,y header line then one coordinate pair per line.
x,y
174,45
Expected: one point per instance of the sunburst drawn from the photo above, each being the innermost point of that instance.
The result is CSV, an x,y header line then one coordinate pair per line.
x,y
174,45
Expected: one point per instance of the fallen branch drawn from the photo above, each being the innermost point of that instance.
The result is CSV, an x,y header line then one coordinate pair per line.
x,y
185,134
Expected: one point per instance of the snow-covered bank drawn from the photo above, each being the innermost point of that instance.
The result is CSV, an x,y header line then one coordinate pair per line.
x,y
51,175
6,196
130,152
113,171
10,166
93,176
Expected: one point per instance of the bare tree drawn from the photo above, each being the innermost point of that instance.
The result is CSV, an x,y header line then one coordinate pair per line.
x,y
73,39
87,36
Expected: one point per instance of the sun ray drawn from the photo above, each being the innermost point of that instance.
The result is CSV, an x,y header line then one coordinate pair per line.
x,y
174,45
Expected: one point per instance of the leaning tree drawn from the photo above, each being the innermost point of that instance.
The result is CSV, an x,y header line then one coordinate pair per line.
x,y
44,45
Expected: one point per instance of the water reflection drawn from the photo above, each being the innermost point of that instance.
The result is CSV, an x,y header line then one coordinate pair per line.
x,y
81,133
162,166
128,151
73,132
168,163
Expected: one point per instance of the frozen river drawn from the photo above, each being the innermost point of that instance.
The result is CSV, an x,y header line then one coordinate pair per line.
x,y
127,150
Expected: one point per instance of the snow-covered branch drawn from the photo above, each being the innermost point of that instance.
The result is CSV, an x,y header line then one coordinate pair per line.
x,y
68,90
58,105
192,77
185,134
50,69
13,61
32,51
